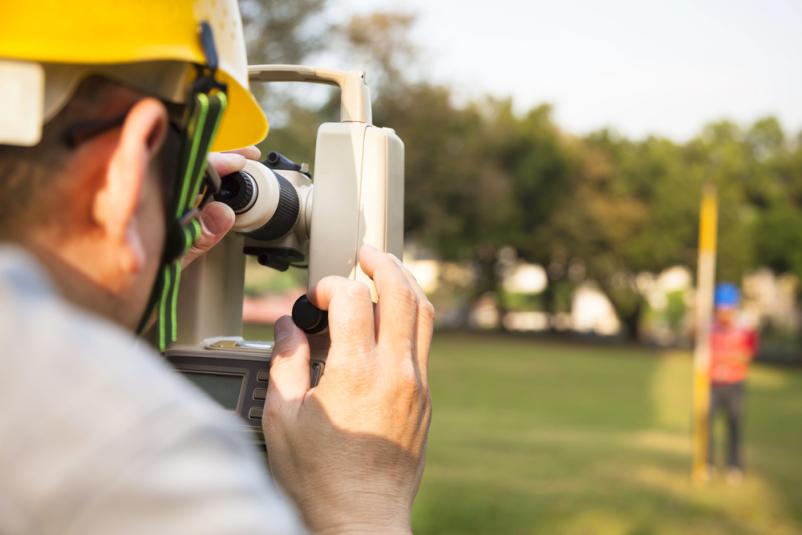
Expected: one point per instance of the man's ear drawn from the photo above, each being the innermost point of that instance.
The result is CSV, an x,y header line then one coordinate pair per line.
x,y
116,203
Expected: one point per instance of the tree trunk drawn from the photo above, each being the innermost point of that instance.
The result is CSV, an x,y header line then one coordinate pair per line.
x,y
628,308
631,321
487,279
550,300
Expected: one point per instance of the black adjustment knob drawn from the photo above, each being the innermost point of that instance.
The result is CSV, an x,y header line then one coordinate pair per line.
x,y
279,162
308,317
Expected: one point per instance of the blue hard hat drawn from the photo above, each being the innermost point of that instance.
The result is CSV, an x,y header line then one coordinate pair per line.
x,y
727,295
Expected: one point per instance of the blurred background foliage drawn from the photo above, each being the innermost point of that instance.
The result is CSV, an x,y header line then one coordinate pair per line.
x,y
483,177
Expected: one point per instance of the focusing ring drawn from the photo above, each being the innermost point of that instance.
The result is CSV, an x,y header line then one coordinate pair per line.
x,y
286,213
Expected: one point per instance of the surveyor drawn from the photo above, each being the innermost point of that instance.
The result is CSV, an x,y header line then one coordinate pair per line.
x,y
732,347
108,112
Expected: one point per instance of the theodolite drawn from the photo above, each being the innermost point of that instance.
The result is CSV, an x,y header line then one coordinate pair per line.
x,y
287,216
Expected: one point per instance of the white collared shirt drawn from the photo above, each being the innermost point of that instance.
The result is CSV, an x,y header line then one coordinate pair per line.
x,y
99,436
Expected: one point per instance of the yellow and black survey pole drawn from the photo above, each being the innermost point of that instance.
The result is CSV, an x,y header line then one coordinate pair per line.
x,y
706,277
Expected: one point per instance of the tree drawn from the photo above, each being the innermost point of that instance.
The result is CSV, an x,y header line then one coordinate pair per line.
x,y
459,200
285,31
481,177
380,44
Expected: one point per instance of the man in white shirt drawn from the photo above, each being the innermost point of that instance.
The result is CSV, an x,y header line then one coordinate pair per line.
x,y
100,436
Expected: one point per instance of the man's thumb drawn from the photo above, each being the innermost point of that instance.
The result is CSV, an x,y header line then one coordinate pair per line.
x,y
289,366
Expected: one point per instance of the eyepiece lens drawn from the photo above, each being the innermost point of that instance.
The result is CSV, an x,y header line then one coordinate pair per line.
x,y
229,189
237,190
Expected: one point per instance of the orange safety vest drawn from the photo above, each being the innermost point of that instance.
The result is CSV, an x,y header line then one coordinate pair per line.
x,y
731,350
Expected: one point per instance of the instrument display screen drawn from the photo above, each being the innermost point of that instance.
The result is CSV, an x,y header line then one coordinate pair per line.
x,y
225,389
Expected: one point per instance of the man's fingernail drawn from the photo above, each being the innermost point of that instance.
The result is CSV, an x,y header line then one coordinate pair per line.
x,y
283,329
254,152
217,218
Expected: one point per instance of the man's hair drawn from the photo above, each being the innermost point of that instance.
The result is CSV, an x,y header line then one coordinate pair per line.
x,y
33,184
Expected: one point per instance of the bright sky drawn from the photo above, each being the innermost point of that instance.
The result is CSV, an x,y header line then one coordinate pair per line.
x,y
642,67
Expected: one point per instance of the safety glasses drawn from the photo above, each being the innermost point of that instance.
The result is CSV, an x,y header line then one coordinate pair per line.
x,y
81,132
206,104
189,182
183,226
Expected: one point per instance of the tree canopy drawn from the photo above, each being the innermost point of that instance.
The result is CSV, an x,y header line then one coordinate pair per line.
x,y
483,176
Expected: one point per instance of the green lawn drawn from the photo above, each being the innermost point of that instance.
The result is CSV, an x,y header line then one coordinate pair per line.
x,y
535,437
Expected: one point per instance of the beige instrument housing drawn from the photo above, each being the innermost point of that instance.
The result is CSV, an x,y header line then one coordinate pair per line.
x,y
356,198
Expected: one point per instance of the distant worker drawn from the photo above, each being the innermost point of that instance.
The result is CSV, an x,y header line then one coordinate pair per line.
x,y
732,347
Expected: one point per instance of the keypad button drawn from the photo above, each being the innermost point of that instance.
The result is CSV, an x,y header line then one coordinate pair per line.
x,y
261,375
259,393
255,413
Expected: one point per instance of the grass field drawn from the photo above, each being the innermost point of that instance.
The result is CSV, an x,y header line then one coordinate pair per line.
x,y
536,437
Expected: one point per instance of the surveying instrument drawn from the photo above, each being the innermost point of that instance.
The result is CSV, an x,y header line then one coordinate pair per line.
x,y
287,216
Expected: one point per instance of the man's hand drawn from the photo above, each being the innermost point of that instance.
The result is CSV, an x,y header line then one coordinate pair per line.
x,y
350,451
218,218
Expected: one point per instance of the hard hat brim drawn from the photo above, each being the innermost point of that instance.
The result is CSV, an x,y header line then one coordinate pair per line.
x,y
244,122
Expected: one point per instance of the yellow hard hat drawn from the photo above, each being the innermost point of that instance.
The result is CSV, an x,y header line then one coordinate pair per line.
x,y
69,39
